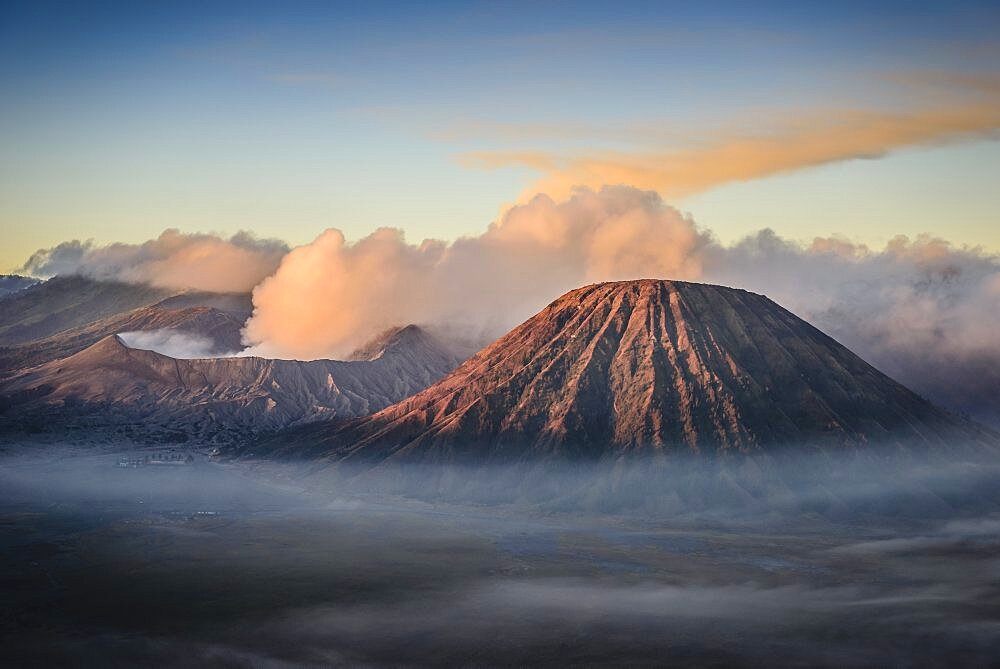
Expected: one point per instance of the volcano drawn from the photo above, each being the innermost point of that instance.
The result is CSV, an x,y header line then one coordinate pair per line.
x,y
643,367
110,390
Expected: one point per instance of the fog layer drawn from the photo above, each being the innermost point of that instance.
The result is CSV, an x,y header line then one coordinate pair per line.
x,y
264,565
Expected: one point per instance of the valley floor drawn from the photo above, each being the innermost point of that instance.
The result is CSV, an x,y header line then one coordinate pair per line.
x,y
235,565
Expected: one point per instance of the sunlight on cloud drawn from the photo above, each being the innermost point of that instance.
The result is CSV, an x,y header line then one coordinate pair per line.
x,y
172,260
328,296
971,109
921,309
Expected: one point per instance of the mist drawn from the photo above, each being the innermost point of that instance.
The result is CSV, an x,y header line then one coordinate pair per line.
x,y
174,343
279,564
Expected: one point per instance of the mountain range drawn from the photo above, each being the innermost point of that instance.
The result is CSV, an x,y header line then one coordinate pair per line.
x,y
633,367
65,315
71,365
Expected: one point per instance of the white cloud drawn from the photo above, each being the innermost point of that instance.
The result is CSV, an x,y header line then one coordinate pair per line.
x,y
174,343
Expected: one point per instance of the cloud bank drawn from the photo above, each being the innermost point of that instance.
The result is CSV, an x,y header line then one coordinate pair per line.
x,y
172,260
922,310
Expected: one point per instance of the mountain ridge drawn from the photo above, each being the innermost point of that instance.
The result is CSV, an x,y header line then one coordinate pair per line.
x,y
13,283
221,328
66,314
223,400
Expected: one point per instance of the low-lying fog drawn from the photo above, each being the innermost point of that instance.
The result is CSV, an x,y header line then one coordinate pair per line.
x,y
110,560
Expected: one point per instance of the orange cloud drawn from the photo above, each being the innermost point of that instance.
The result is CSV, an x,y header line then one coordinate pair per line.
x,y
329,296
972,109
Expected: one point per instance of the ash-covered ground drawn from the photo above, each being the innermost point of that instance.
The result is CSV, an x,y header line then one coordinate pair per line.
x,y
249,564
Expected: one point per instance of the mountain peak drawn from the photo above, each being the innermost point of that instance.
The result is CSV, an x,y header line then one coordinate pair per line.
x,y
406,336
110,345
648,366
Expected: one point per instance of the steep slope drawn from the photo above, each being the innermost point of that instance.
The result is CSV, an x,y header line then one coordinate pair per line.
x,y
12,283
65,315
222,328
240,304
62,303
646,366
110,388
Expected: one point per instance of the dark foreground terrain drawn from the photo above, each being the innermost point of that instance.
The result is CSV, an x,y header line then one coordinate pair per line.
x,y
206,564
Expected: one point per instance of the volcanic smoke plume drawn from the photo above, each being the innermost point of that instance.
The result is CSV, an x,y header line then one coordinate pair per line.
x,y
924,311
328,296
172,260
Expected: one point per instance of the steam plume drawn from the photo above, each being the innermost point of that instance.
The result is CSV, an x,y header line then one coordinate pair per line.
x,y
921,309
327,296
175,343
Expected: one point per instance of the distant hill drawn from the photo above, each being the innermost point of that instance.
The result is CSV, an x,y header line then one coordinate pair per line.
x,y
645,367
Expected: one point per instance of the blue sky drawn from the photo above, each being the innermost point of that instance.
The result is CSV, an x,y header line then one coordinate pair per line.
x,y
119,120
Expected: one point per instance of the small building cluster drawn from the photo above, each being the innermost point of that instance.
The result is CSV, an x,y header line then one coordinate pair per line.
x,y
154,459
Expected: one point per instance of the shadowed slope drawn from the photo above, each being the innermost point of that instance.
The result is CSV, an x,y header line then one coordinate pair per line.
x,y
65,315
12,283
222,328
62,303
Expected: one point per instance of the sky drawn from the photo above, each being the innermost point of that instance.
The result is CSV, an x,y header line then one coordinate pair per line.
x,y
860,120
